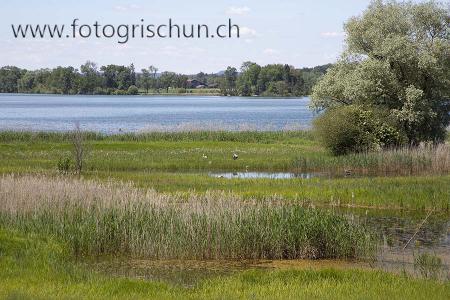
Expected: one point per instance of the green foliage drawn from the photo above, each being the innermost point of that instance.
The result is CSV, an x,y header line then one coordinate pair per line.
x,y
397,60
90,80
9,78
277,80
63,165
228,83
63,80
270,80
133,90
353,128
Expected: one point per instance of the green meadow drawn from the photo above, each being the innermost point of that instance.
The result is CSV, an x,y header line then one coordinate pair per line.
x,y
186,162
157,197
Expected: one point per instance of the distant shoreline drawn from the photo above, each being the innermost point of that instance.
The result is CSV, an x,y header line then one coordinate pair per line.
x,y
161,95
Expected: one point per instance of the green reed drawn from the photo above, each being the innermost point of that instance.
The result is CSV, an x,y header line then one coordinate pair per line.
x,y
97,219
406,161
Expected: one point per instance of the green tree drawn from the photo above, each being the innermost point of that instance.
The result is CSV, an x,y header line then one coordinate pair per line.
x,y
145,80
167,80
397,59
62,80
9,78
27,83
248,80
228,85
90,79
269,74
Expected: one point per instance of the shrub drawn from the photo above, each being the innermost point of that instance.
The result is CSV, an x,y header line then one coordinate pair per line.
x,y
354,128
120,92
133,90
64,165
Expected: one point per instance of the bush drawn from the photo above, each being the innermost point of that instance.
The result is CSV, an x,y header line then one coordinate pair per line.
x,y
120,92
354,128
64,165
133,90
98,91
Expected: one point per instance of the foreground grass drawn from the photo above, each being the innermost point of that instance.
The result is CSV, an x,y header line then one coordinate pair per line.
x,y
98,219
35,267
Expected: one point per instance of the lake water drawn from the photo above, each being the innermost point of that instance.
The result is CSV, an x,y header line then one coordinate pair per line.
x,y
112,114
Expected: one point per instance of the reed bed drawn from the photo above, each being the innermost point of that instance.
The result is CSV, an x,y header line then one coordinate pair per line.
x,y
118,219
407,161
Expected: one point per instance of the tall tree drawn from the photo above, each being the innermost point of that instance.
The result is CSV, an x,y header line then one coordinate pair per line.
x,y
9,78
62,80
90,79
397,59
229,81
144,80
248,79
167,80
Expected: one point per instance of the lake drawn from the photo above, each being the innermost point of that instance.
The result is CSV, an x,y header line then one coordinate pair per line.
x,y
112,114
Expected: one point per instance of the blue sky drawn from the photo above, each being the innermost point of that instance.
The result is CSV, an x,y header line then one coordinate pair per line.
x,y
297,32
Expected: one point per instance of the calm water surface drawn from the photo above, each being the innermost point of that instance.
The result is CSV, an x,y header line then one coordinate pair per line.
x,y
112,114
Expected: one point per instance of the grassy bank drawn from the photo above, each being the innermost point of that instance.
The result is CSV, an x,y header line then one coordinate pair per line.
x,y
289,151
97,219
35,267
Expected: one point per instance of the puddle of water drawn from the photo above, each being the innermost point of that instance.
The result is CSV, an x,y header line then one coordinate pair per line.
x,y
394,228
255,175
186,273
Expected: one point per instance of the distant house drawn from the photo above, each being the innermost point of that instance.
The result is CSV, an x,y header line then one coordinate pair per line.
x,y
195,84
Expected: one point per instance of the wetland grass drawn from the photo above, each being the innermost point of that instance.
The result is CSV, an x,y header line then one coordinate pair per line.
x,y
32,267
97,219
405,161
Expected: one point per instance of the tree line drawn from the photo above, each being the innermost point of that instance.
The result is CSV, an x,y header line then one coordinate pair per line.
x,y
251,79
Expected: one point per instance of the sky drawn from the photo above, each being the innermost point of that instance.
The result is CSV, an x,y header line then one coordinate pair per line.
x,y
302,33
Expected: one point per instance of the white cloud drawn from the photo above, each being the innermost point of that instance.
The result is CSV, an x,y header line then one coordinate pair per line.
x,y
240,11
246,33
270,51
332,34
126,7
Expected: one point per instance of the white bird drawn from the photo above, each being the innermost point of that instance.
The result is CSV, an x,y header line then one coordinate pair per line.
x,y
205,156
235,156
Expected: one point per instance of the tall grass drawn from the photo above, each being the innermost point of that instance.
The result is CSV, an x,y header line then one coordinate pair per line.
x,y
9,136
108,218
36,268
407,161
